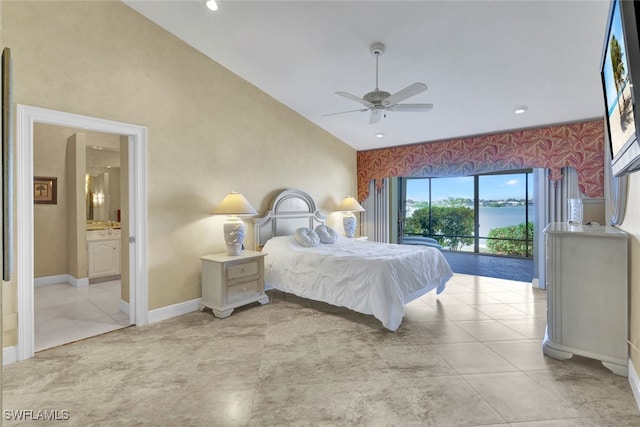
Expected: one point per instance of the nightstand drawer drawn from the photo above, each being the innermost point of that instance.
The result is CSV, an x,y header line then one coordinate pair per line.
x,y
246,269
242,290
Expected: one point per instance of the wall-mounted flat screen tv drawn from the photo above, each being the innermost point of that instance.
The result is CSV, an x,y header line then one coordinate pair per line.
x,y
620,63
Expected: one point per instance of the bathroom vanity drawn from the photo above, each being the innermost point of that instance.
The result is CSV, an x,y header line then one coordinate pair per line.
x,y
103,248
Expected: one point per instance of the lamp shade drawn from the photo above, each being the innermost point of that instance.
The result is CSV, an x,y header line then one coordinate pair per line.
x,y
350,204
234,203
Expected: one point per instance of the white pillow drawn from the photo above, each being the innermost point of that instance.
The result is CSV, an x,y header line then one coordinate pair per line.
x,y
327,234
306,237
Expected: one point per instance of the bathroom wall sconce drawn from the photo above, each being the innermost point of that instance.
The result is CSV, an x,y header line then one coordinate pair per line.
x,y
234,205
98,199
349,220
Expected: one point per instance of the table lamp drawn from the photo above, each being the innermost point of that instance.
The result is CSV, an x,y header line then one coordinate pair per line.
x,y
350,205
234,205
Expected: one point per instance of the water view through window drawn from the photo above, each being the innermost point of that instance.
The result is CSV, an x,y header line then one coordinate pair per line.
x,y
489,213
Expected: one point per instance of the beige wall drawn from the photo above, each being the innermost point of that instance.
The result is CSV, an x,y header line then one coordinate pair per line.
x,y
631,225
50,221
210,132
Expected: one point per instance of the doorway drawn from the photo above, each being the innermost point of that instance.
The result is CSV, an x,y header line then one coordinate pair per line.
x,y
489,213
79,289
484,223
136,229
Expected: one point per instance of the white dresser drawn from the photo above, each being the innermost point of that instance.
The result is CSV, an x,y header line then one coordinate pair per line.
x,y
232,281
587,279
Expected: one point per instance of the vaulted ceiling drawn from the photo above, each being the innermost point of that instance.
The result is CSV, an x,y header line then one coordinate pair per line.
x,y
479,59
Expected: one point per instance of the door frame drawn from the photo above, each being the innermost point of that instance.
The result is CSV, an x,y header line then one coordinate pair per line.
x,y
27,116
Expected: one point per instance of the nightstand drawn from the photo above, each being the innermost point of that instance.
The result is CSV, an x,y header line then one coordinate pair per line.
x,y
232,281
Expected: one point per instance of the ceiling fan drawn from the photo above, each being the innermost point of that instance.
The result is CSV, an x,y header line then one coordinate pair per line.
x,y
379,101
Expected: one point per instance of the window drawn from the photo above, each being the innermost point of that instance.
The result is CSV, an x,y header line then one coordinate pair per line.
x,y
488,213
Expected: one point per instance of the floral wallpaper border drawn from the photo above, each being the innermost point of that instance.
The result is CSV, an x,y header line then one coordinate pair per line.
x,y
579,145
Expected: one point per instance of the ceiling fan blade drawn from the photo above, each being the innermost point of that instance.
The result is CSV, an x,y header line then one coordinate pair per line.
x,y
411,107
405,93
355,98
344,112
376,115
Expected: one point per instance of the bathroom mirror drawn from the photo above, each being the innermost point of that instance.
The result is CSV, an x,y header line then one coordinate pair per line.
x,y
102,196
102,178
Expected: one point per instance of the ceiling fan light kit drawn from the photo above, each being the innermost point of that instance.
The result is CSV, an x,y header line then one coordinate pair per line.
x,y
380,101
211,5
520,109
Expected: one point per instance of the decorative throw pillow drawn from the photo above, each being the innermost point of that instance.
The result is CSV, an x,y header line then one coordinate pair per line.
x,y
306,237
327,234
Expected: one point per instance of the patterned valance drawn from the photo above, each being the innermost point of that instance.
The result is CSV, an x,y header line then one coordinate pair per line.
x,y
579,145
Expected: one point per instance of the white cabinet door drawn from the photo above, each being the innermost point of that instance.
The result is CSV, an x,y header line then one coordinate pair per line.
x,y
104,258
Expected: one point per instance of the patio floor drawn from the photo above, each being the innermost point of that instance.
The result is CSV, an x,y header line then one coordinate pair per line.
x,y
501,267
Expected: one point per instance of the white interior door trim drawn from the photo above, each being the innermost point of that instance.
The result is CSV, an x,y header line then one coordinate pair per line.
x,y
27,116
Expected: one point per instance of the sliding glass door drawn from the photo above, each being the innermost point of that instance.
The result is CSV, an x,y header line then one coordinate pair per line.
x,y
505,216
490,213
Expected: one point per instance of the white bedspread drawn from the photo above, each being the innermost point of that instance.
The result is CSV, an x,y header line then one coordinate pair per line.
x,y
368,277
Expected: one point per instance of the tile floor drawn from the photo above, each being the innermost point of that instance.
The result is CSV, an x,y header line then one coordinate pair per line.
x,y
468,357
64,314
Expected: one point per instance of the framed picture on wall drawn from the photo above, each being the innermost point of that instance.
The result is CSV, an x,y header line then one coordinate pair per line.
x,y
45,190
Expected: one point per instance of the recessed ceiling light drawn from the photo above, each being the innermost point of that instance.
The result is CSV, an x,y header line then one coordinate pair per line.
x,y
521,109
212,5
379,135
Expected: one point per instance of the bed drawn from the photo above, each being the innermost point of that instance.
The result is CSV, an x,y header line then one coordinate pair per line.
x,y
368,277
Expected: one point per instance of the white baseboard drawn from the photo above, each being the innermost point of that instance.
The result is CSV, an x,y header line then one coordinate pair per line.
x,y
50,280
9,355
634,381
535,283
123,306
174,310
78,283
61,278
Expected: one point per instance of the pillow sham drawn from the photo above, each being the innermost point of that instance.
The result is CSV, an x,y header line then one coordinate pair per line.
x,y
306,237
327,234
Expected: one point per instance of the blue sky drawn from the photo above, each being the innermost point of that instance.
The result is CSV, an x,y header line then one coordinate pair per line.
x,y
492,187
